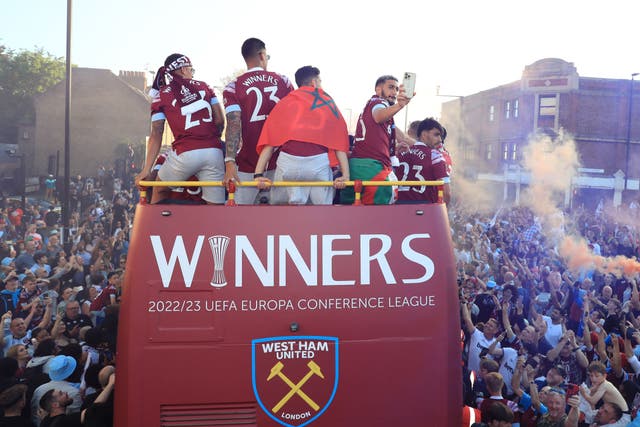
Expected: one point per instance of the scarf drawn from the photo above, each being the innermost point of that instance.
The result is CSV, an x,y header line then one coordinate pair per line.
x,y
14,296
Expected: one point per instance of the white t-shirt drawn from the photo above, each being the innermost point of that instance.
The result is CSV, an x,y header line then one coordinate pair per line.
x,y
508,366
554,332
10,340
477,343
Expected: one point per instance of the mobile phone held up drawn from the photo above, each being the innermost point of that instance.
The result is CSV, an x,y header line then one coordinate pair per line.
x,y
409,83
572,390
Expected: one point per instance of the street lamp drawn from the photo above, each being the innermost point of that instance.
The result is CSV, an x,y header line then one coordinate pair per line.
x,y
66,208
626,166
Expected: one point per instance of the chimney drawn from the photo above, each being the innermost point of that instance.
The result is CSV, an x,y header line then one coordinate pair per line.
x,y
136,79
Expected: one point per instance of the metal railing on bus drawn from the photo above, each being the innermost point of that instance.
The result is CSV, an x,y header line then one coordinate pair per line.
x,y
357,185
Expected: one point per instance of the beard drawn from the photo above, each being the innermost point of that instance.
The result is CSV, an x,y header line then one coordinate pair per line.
x,y
65,401
389,98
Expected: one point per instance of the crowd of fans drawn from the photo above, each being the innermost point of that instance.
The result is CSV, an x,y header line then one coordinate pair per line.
x,y
546,344
59,304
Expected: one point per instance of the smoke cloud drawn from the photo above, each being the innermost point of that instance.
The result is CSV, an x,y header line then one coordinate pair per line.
x,y
579,255
553,163
468,193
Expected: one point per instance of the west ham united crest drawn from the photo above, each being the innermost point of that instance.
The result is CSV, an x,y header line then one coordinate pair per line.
x,y
295,378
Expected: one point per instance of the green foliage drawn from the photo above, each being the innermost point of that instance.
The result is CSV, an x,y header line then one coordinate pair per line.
x,y
23,75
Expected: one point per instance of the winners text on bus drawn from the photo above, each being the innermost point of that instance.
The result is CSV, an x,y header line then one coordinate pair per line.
x,y
322,252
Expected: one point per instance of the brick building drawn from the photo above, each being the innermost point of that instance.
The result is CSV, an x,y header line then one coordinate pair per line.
x,y
107,112
490,129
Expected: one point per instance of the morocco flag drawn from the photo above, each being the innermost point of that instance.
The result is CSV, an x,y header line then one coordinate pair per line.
x,y
447,159
308,115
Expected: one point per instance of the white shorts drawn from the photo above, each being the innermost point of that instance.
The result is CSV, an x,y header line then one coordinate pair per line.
x,y
206,163
307,168
252,195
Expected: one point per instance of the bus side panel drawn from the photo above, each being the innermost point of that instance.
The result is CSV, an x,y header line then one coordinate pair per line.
x,y
221,305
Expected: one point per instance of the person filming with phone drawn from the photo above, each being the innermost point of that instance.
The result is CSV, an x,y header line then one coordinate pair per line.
x,y
373,155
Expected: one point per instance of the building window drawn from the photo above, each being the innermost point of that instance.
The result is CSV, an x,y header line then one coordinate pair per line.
x,y
547,111
548,104
509,152
489,151
492,112
468,152
515,109
507,109
514,152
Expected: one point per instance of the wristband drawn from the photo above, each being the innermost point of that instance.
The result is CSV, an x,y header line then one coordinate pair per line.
x,y
229,159
575,349
258,175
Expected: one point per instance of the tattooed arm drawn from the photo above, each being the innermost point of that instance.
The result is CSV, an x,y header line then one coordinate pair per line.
x,y
232,142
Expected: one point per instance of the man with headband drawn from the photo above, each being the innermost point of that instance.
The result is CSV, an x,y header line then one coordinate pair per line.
x,y
196,120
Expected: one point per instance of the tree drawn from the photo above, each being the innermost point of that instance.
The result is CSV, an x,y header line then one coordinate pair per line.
x,y
23,75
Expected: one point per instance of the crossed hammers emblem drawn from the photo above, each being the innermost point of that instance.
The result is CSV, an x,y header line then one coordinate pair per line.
x,y
314,369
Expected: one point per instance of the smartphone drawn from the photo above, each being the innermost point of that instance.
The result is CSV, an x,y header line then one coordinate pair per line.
x,y
572,390
409,83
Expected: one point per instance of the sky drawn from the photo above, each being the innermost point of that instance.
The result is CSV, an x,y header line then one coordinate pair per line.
x,y
462,46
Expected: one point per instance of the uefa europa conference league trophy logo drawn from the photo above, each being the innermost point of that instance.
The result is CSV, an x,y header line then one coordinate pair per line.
x,y
219,246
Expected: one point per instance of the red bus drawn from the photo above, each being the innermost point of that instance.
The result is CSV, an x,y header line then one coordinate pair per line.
x,y
289,315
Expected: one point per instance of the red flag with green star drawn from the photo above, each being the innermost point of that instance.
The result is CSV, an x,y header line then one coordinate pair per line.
x,y
307,114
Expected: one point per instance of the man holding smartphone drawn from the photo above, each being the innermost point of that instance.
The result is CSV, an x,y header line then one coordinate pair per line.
x,y
373,154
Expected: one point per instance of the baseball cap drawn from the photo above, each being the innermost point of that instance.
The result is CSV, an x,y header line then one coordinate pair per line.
x,y
6,261
491,284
